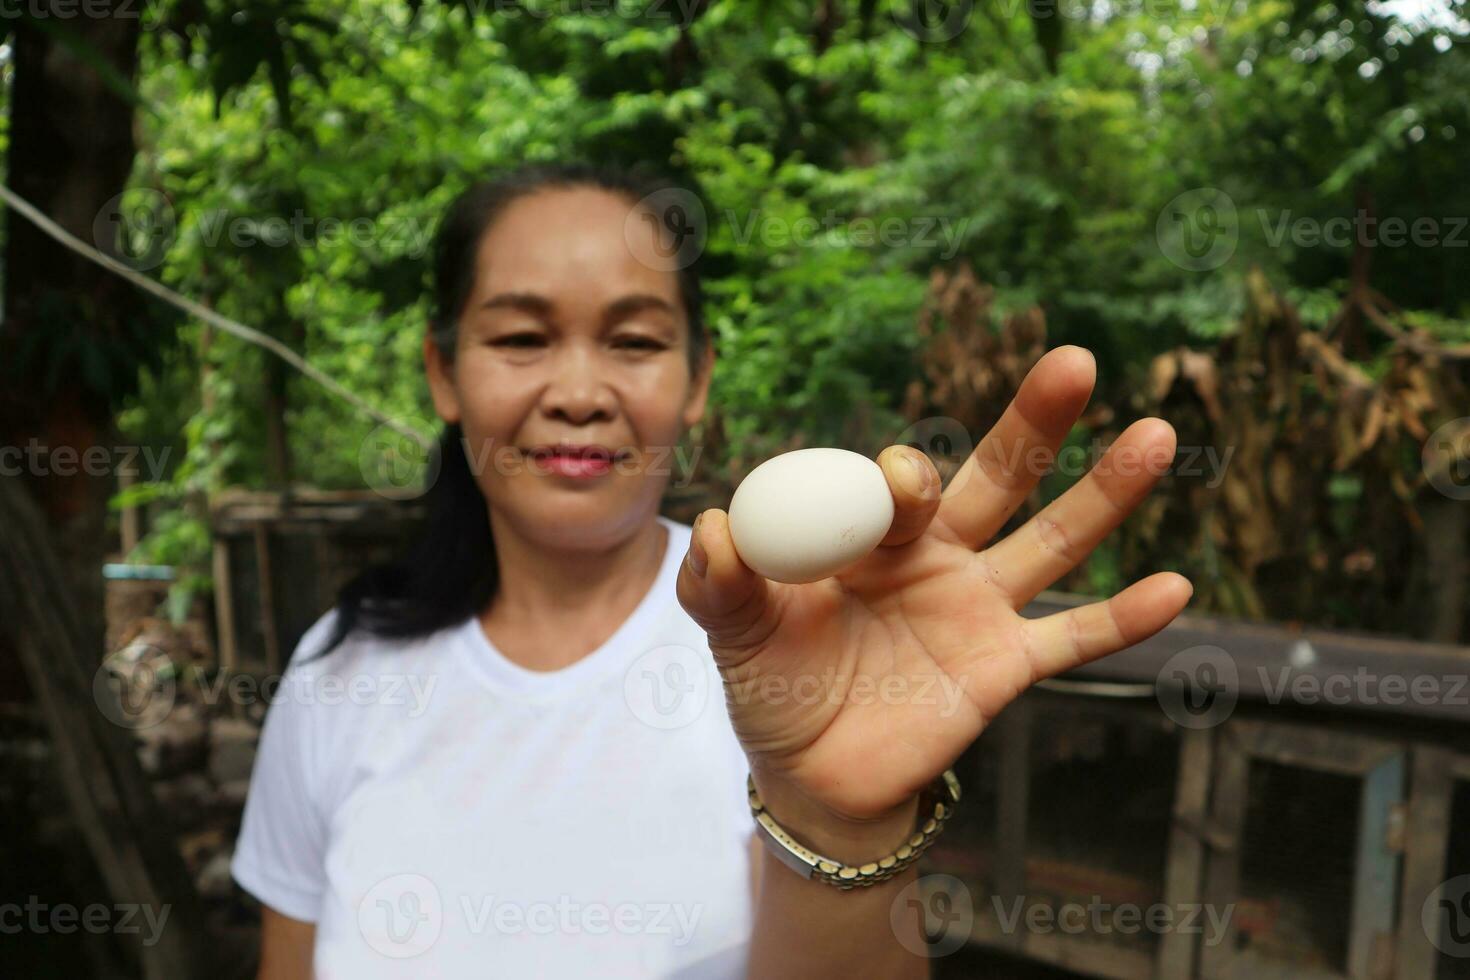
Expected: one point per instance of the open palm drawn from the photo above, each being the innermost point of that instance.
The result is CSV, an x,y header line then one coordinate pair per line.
x,y
857,690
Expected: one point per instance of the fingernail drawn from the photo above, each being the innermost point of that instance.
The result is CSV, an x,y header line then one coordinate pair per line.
x,y
698,560
914,475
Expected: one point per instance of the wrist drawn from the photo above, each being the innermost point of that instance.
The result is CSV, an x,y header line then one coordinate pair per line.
x,y
853,840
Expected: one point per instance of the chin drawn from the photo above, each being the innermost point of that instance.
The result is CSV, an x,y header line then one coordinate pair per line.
x,y
571,520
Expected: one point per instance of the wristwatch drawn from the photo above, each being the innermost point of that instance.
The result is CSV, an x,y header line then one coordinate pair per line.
x,y
936,805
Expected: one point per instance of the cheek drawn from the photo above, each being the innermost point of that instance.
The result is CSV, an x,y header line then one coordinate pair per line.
x,y
657,425
493,397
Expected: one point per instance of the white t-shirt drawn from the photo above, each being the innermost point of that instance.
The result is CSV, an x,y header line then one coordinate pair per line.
x,y
441,812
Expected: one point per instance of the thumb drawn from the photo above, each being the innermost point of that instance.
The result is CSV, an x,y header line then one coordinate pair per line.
x,y
734,605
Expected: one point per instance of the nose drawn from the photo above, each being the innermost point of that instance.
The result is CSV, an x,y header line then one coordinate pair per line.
x,y
577,389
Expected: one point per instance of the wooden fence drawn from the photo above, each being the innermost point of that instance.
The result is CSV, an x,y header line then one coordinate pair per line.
x,y
1223,800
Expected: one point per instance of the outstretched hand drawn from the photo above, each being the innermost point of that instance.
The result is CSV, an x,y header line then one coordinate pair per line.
x,y
851,693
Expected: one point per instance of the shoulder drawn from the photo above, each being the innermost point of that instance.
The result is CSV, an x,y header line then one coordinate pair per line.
x,y
355,651
357,680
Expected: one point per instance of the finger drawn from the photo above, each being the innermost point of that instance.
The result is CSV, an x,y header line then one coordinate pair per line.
x,y
734,605
914,482
1065,640
1067,530
1018,451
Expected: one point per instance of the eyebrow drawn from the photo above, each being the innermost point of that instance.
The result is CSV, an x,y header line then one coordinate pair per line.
x,y
540,306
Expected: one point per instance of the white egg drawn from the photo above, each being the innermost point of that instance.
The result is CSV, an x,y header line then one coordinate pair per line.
x,y
808,514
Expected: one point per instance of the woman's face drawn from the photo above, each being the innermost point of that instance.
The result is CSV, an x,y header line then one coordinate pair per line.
x,y
567,339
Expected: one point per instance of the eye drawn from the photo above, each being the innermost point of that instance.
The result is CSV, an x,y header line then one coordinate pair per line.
x,y
518,340
644,343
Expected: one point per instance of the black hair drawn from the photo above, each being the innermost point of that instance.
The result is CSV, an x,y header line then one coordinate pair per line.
x,y
449,572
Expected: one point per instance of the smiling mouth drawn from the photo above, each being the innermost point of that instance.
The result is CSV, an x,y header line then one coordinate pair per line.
x,y
599,455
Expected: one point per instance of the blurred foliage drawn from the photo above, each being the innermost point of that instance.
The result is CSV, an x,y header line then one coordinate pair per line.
x,y
1042,152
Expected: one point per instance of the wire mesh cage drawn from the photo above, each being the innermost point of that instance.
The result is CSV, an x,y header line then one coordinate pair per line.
x,y
1102,781
1297,860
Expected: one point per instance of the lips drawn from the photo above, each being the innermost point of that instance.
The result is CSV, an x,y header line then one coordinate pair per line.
x,y
578,462
588,453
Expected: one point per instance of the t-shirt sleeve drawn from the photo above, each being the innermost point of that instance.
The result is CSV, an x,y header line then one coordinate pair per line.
x,y
279,855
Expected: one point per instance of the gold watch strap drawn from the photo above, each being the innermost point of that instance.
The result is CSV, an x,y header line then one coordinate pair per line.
x,y
936,805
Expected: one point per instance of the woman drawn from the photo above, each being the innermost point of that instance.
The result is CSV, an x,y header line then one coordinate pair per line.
x,y
536,775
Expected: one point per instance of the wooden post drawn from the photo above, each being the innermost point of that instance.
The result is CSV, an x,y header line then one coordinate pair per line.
x,y
1013,803
1376,872
267,597
1184,873
128,524
1227,820
224,606
1426,847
